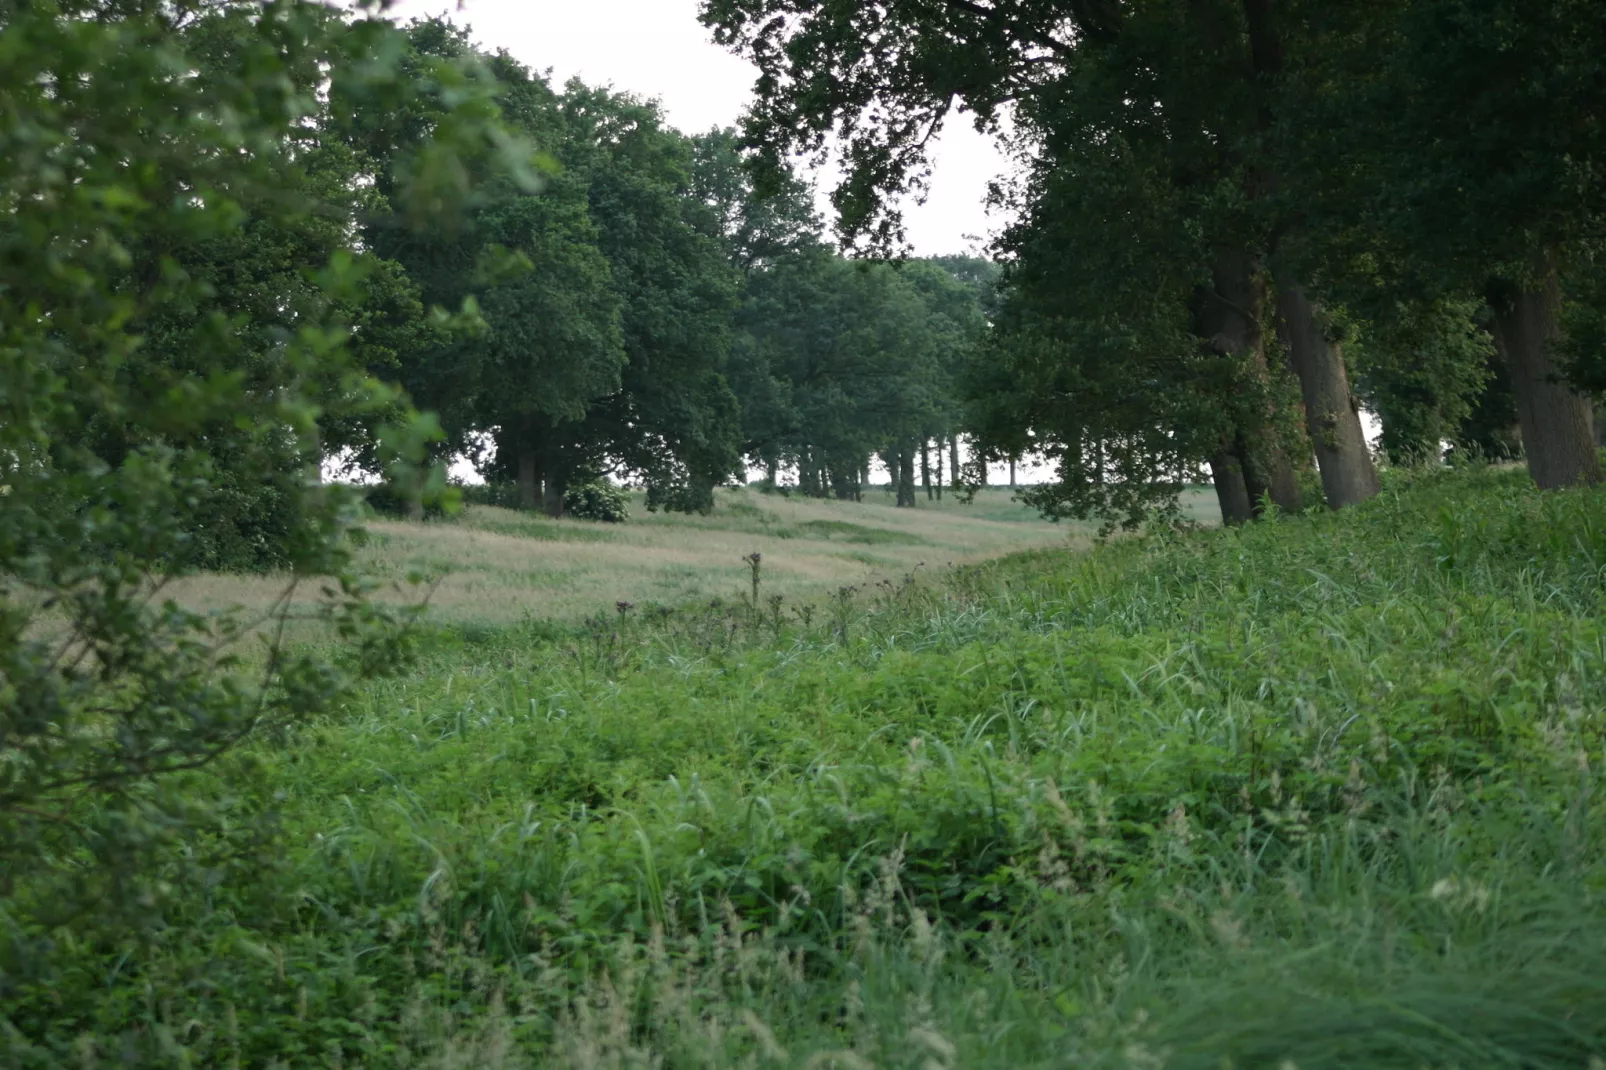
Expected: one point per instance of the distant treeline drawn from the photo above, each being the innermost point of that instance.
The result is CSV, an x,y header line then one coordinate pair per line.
x,y
646,312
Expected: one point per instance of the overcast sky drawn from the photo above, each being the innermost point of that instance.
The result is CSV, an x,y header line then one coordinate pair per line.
x,y
657,48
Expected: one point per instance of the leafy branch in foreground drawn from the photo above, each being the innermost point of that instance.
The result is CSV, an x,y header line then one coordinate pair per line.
x,y
177,296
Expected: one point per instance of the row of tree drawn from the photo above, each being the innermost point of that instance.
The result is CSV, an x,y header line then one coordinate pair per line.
x,y
1233,215
649,313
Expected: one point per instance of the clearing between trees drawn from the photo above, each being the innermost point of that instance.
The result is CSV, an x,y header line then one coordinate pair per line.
x,y
496,566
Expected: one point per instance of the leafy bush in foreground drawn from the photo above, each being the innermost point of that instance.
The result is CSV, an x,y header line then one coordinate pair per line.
x,y
177,291
1314,792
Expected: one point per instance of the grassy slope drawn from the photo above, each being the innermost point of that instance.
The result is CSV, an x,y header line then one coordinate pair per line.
x,y
1316,793
497,566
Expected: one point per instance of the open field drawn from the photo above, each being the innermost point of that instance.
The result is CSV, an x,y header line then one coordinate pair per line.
x,y
1322,793
496,566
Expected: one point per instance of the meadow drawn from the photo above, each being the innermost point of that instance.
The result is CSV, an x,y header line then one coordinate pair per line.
x,y
1318,792
490,567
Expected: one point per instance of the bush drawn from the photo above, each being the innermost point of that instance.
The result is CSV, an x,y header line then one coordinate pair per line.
x,y
598,500
387,500
502,493
681,498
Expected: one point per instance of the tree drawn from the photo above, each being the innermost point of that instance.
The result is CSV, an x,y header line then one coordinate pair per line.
x,y
1171,76
1468,131
143,146
550,343
762,232
760,225
674,421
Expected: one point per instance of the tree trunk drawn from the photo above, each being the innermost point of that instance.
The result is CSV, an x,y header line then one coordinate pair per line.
x,y
1558,435
1012,471
906,478
772,472
555,482
807,477
529,480
937,482
925,466
953,460
1257,479
1331,413
1227,316
553,498
1231,490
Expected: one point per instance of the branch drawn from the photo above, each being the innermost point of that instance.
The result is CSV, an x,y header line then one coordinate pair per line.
x,y
995,16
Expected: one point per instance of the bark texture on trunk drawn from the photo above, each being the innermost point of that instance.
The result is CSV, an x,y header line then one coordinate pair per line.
x,y
529,480
1558,434
925,467
1231,490
1331,413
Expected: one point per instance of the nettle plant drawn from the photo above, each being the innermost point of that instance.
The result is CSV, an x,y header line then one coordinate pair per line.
x,y
140,146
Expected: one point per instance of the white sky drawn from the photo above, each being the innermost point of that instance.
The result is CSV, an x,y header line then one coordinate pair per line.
x,y
657,48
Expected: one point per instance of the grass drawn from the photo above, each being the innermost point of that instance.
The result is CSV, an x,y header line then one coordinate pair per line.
x,y
1317,793
495,566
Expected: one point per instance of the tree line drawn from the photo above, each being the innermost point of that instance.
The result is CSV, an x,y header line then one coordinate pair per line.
x,y
648,312
1237,220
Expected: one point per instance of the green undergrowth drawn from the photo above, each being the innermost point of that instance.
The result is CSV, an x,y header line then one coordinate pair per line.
x,y
1315,793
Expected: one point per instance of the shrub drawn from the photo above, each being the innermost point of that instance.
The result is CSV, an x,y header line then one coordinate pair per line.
x,y
168,365
504,494
599,500
681,498
391,501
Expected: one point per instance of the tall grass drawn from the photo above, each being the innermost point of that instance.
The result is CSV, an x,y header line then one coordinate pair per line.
x,y
495,567
1316,793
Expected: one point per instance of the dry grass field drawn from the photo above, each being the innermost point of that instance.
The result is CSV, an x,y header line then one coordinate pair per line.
x,y
495,566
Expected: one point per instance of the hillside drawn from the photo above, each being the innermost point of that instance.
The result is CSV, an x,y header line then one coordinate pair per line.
x,y
1312,793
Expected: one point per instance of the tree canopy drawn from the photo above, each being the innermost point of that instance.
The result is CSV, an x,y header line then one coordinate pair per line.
x,y
1234,218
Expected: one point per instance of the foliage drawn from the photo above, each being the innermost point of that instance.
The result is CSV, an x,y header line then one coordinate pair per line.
x,y
606,297
596,500
1424,368
176,315
1187,162
492,492
1052,811
1584,325
840,361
